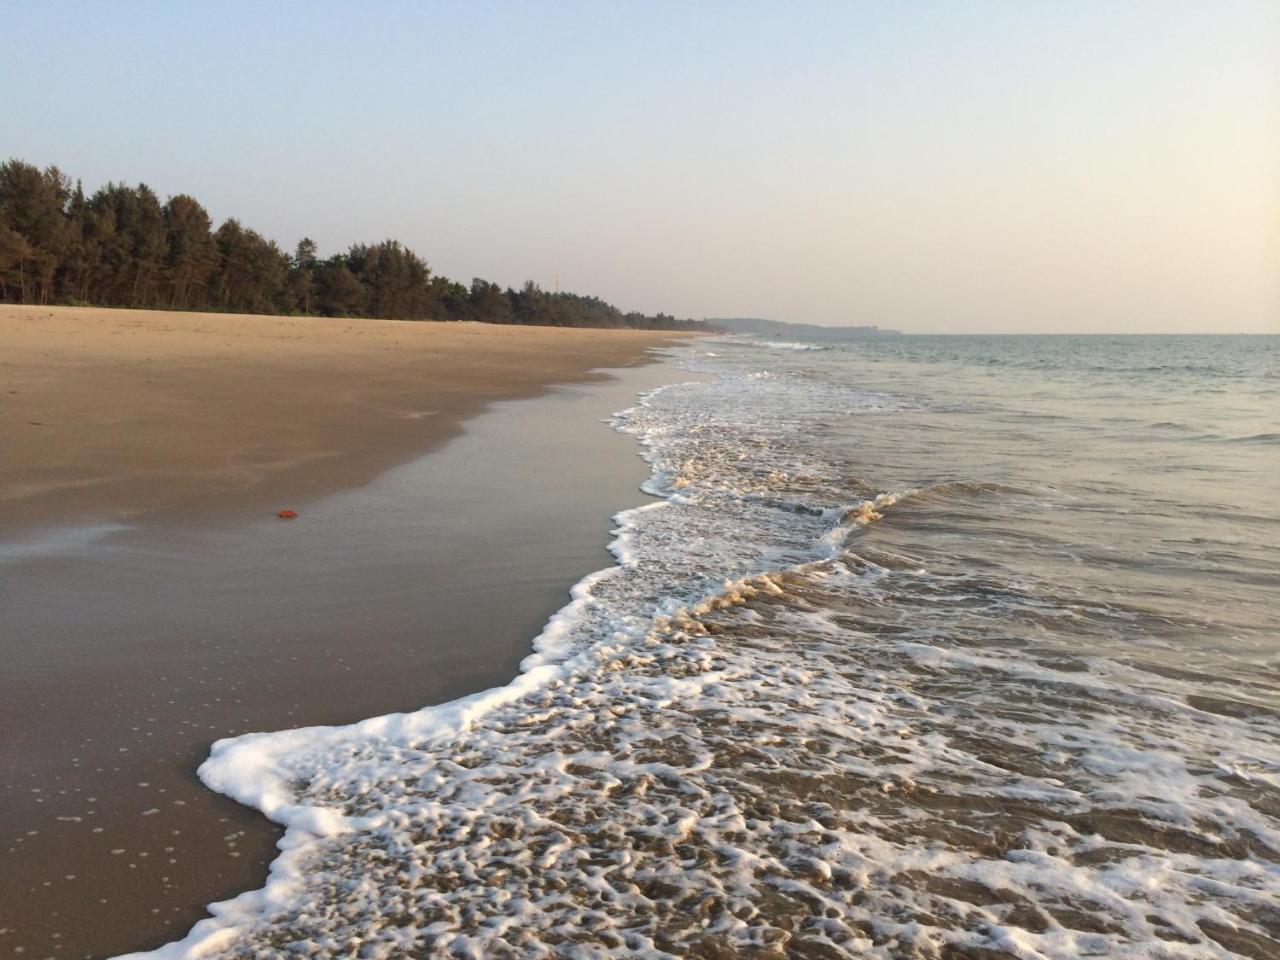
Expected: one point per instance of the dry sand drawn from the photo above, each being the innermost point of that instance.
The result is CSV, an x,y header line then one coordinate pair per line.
x,y
112,415
123,657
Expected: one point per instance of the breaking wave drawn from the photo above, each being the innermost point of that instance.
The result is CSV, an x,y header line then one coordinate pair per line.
x,y
796,346
768,732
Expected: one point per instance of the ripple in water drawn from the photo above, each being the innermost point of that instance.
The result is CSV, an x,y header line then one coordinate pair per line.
x,y
775,731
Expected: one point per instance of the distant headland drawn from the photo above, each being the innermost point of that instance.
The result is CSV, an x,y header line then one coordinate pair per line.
x,y
757,326
122,247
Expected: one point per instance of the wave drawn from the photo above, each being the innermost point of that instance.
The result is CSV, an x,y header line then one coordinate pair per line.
x,y
1265,438
795,346
759,733
967,489
329,786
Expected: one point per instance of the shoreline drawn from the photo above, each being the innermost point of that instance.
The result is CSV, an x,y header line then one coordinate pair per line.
x,y
129,654
120,416
253,768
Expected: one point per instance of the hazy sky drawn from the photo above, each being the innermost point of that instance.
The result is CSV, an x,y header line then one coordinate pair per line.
x,y
948,166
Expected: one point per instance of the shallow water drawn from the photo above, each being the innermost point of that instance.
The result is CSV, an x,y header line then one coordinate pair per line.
x,y
934,647
125,652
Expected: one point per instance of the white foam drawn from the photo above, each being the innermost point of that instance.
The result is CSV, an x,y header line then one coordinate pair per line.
x,y
795,346
749,731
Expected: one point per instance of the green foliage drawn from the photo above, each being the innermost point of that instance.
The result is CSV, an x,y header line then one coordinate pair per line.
x,y
33,205
191,255
121,247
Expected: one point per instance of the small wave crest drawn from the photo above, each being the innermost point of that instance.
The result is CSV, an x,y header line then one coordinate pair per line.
x,y
1261,438
795,346
758,735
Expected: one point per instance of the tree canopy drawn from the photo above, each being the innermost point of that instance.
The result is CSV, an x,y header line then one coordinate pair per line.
x,y
121,247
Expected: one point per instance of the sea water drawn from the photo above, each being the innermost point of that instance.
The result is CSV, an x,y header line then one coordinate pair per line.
x,y
926,647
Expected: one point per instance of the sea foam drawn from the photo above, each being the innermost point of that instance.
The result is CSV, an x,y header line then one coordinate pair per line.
x,y
766,733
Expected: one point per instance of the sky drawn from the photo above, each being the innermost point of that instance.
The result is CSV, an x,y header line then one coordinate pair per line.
x,y
962,166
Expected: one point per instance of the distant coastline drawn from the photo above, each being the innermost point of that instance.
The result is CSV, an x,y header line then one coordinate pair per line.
x,y
758,326
121,247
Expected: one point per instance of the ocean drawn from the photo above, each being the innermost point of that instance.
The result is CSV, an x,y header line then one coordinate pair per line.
x,y
925,647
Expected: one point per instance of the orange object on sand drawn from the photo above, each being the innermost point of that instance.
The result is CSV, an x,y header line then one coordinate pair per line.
x,y
286,514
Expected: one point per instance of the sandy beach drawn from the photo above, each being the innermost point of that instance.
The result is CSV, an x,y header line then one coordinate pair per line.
x,y
152,602
708,483
116,415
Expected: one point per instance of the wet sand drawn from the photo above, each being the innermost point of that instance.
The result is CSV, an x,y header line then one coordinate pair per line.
x,y
118,415
132,643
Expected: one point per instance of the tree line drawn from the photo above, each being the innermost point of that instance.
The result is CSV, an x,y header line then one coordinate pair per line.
x,y
122,247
